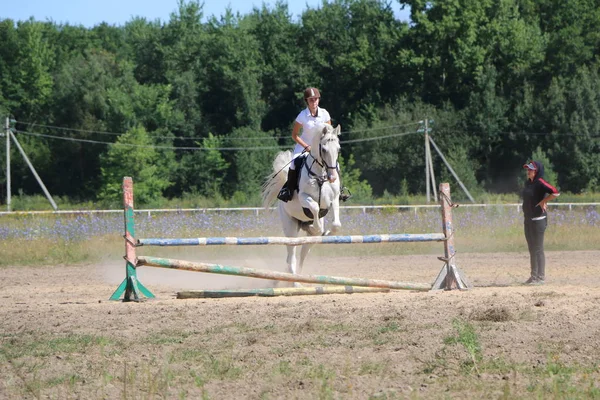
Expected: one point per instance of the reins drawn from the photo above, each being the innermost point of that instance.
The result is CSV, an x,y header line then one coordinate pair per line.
x,y
323,164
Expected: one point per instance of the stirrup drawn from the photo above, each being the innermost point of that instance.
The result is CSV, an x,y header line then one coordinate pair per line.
x,y
343,195
285,195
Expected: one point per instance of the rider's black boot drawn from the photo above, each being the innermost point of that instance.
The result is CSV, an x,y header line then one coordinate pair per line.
x,y
287,191
344,191
345,194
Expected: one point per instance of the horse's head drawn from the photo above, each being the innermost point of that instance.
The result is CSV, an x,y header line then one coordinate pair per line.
x,y
325,148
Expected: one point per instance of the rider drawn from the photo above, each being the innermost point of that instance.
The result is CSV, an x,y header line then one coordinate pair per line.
x,y
308,118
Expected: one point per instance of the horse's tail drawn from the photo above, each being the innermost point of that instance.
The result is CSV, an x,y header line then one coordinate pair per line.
x,y
277,178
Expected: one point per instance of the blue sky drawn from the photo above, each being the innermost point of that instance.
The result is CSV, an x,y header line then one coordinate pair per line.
x,y
118,12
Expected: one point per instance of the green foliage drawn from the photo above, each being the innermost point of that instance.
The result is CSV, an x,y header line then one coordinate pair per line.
x,y
468,338
9,87
347,45
284,72
464,167
350,178
384,163
134,156
580,155
249,167
35,60
232,92
203,171
549,174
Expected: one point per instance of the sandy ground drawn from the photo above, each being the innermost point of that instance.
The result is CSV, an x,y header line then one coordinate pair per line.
x,y
381,345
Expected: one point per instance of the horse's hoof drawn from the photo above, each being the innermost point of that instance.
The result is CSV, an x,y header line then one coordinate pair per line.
x,y
327,232
298,285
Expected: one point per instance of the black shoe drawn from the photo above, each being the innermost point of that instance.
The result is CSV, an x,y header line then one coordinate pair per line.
x,y
343,195
284,194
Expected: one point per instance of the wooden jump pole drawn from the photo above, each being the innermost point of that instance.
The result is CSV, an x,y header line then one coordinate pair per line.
x,y
272,292
274,275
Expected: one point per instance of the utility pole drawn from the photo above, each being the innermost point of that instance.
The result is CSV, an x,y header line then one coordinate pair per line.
x,y
8,206
429,174
432,175
452,171
35,174
427,155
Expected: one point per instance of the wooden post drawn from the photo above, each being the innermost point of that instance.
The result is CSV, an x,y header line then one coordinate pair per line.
x,y
450,277
130,285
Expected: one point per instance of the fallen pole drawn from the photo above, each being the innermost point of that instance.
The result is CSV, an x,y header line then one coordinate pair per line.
x,y
271,292
274,275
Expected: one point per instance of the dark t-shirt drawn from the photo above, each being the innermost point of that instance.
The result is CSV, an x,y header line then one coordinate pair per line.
x,y
533,193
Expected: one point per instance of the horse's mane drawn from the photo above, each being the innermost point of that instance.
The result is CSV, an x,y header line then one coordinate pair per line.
x,y
324,133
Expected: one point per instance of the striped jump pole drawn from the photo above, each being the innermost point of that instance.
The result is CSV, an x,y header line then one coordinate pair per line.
x,y
272,292
275,275
273,240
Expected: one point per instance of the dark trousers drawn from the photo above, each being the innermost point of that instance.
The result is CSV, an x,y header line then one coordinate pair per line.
x,y
534,234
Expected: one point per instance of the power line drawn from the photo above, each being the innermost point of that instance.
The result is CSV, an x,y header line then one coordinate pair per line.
x,y
522,133
68,129
159,147
260,148
381,128
549,134
200,138
119,134
377,137
286,137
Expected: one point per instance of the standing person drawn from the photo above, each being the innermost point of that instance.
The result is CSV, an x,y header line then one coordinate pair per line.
x,y
308,118
536,195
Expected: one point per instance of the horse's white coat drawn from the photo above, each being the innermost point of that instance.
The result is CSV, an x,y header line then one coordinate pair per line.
x,y
317,190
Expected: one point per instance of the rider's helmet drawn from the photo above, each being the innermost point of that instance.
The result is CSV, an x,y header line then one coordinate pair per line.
x,y
311,92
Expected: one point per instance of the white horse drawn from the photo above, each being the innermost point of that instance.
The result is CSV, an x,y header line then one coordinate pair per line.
x,y
318,191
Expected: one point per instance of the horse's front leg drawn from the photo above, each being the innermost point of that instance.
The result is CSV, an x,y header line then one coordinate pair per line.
x,y
303,253
335,209
292,260
317,227
290,229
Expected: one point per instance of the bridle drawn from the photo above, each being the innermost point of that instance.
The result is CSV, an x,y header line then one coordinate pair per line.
x,y
321,163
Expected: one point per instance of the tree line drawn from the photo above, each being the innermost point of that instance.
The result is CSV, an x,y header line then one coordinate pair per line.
x,y
191,107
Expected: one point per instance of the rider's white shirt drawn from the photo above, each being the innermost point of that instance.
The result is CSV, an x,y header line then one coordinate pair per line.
x,y
308,122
